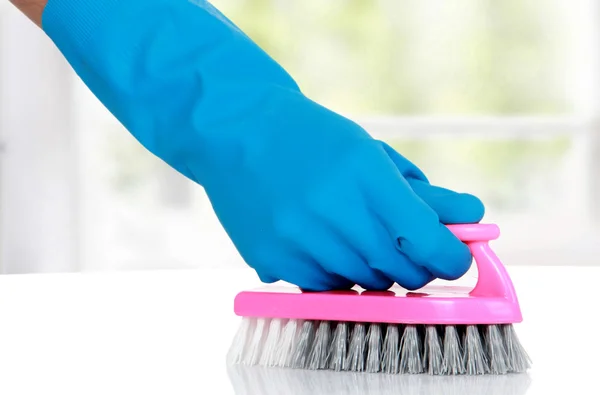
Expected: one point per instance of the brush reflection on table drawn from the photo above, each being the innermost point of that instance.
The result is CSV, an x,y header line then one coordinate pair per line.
x,y
255,380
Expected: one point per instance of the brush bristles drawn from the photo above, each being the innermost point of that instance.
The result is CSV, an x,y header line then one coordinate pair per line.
x,y
518,360
475,358
386,348
433,357
410,351
355,360
374,352
453,361
319,353
303,346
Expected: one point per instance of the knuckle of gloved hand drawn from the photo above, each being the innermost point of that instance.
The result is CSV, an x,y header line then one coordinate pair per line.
x,y
354,154
364,151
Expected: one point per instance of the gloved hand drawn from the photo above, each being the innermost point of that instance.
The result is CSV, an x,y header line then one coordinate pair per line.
x,y
306,195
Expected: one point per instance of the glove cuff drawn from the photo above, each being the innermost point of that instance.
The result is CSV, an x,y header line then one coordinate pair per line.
x,y
71,23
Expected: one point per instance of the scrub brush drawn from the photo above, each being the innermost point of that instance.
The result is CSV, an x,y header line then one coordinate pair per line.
x,y
439,330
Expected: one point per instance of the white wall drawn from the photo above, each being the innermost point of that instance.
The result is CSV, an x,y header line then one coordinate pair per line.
x,y
39,163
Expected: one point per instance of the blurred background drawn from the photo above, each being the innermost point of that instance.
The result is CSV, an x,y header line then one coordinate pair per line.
x,y
496,98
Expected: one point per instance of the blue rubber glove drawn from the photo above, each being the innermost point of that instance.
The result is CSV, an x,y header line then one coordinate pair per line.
x,y
307,196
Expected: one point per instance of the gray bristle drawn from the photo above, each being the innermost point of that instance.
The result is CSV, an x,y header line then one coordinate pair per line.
x,y
390,361
410,351
476,361
433,356
496,350
374,348
356,349
320,349
453,361
392,349
339,347
300,353
518,359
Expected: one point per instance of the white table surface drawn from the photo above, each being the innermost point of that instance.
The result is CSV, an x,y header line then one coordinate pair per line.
x,y
167,332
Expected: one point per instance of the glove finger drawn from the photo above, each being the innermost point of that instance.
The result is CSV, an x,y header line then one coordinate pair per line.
x,y
361,231
413,224
314,237
382,255
451,207
399,268
308,275
297,268
337,257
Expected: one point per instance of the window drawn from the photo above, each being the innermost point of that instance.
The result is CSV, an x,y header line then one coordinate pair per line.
x,y
493,98
411,57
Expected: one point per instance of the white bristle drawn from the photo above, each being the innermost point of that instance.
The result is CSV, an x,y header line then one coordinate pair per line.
x,y
267,357
286,344
236,351
450,350
254,348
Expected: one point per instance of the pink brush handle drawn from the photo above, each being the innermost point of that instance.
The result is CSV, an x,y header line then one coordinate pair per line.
x,y
493,279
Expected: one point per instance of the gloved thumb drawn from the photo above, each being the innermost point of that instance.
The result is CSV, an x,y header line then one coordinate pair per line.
x,y
452,207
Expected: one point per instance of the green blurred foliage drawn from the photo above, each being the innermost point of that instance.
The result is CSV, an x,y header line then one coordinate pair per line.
x,y
499,171
423,57
415,56
420,57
